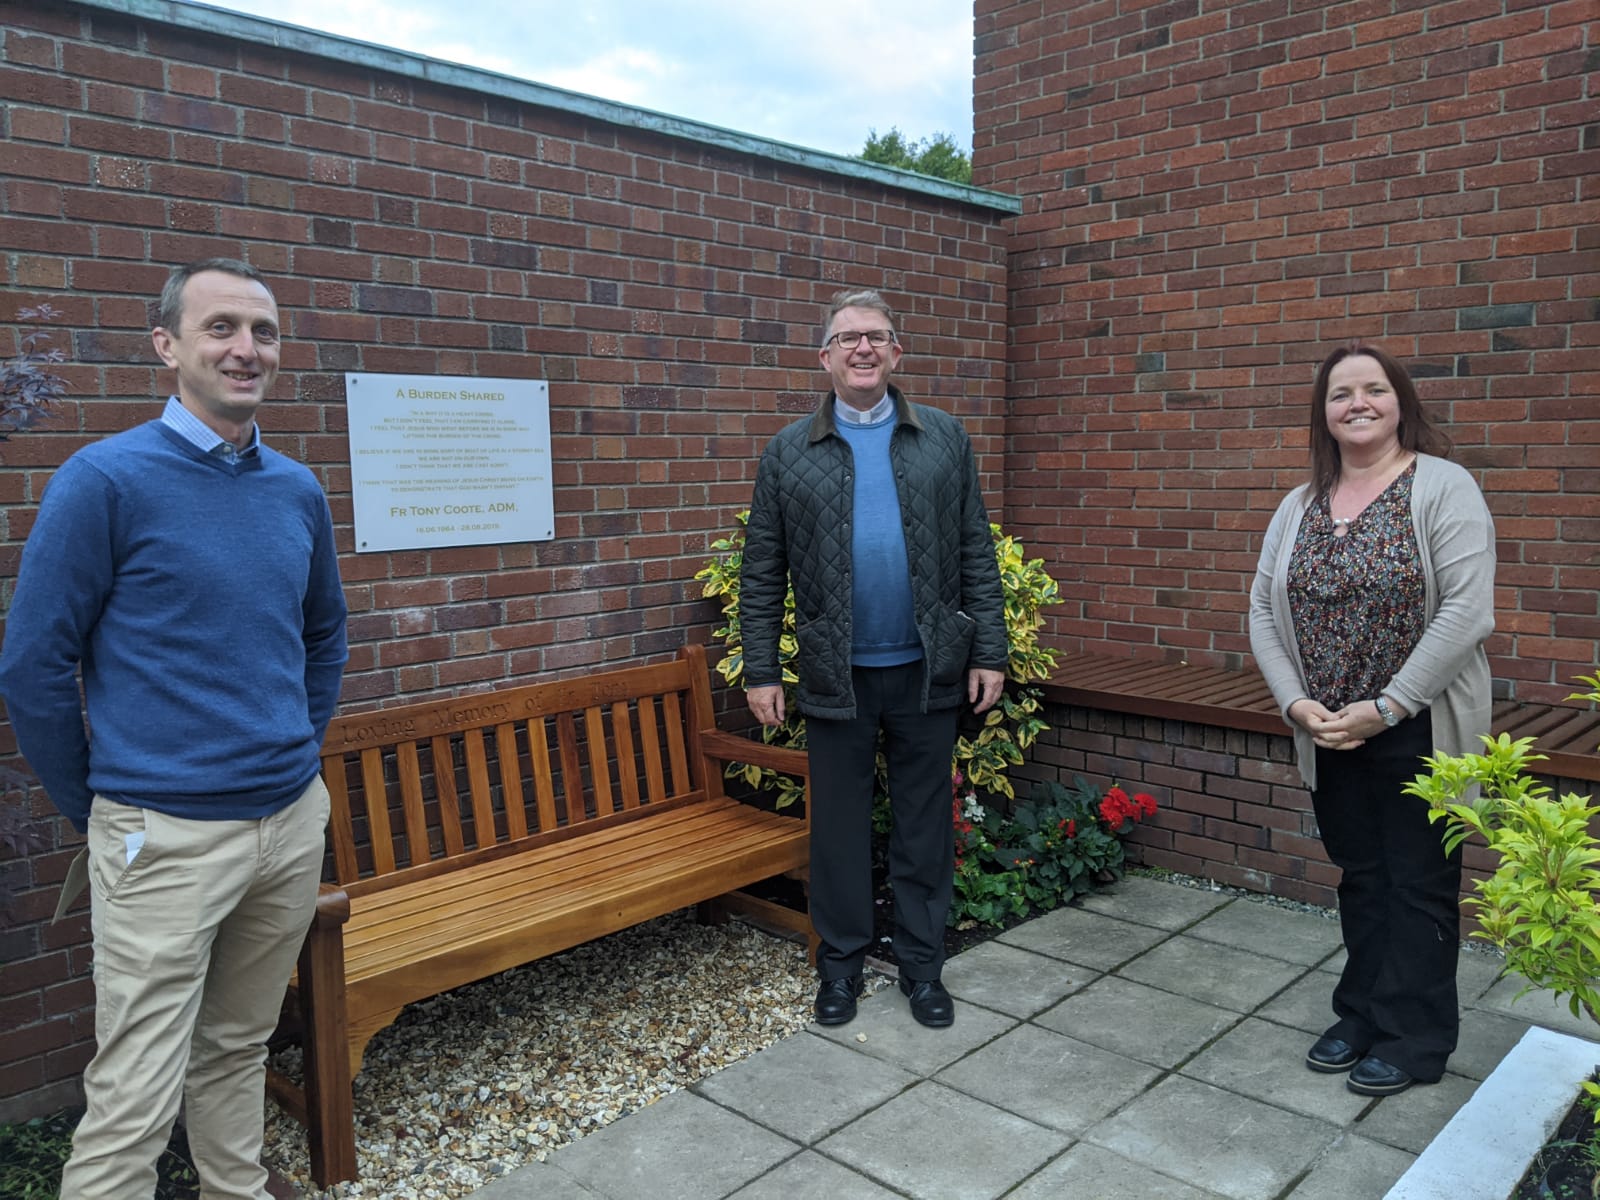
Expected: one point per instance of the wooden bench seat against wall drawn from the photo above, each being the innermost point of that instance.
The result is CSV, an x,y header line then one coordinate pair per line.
x,y
480,833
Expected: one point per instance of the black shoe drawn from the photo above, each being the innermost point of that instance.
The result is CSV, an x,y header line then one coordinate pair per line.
x,y
930,1003
836,1000
1374,1077
1331,1056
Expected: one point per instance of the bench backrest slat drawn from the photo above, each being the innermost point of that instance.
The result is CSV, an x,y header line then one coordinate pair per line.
x,y
373,787
567,757
677,755
444,786
339,824
478,787
411,797
544,786
655,782
414,786
622,731
505,740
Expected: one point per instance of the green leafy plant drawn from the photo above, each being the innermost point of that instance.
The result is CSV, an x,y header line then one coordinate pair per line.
x,y
32,1154
1540,905
982,758
1057,844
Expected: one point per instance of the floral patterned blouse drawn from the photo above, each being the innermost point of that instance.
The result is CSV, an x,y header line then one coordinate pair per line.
x,y
1357,600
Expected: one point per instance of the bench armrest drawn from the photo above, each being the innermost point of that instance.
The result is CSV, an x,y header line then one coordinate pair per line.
x,y
727,747
333,907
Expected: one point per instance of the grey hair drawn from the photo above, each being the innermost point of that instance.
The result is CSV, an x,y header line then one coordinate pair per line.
x,y
863,298
169,310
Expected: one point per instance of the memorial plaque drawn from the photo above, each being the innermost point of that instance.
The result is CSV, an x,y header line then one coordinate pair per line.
x,y
449,460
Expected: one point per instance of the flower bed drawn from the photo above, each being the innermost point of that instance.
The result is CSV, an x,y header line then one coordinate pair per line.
x,y
1040,853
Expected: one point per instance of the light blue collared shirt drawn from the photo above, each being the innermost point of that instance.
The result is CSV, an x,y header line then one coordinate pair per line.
x,y
204,438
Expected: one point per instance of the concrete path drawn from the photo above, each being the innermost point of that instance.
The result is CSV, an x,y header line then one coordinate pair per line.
x,y
1145,1044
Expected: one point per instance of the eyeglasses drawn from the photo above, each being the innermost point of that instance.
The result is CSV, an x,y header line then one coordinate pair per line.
x,y
849,339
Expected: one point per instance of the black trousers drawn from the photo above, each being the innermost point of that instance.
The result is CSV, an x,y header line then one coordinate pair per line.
x,y
917,747
1398,902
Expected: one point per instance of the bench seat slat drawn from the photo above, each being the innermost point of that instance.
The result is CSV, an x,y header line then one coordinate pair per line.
x,y
500,910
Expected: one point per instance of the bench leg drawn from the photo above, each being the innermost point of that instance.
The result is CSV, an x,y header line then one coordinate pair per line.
x,y
330,1113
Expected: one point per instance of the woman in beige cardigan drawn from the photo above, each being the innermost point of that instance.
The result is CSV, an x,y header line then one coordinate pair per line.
x,y
1371,603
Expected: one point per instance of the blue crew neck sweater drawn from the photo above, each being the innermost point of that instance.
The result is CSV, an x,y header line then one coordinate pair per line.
x,y
883,617
202,600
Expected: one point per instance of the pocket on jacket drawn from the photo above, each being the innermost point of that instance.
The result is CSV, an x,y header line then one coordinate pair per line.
x,y
815,656
953,632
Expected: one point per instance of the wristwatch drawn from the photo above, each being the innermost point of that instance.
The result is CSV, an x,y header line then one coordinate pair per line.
x,y
1390,717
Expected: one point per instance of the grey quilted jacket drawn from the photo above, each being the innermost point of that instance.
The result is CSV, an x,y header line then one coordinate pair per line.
x,y
800,530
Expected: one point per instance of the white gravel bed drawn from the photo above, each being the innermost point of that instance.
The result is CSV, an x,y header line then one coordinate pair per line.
x,y
469,1085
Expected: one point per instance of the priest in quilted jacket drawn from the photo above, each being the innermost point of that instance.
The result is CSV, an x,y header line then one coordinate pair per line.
x,y
870,508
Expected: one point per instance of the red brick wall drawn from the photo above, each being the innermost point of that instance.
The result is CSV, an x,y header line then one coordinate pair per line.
x,y
1217,194
670,292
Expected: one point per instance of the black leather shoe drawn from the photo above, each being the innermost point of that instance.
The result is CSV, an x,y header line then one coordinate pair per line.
x,y
1374,1077
1331,1056
930,1003
836,1000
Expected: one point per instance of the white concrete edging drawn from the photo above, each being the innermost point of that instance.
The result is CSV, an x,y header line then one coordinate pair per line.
x,y
1488,1144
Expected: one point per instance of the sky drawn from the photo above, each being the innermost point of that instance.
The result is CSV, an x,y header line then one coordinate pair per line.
x,y
821,74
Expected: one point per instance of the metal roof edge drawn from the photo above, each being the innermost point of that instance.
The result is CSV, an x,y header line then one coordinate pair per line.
x,y
204,18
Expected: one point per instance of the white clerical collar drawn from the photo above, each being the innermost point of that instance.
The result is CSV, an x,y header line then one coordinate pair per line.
x,y
851,415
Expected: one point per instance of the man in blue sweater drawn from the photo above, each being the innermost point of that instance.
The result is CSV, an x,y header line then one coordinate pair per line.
x,y
189,572
871,508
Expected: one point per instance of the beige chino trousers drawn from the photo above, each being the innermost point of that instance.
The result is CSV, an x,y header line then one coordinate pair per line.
x,y
197,925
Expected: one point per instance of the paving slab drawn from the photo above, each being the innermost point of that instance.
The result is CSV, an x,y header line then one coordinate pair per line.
x,y
1088,938
1214,1139
1353,1168
1297,937
1048,1078
806,1086
807,1176
1150,902
1169,1029
1476,973
1222,976
1411,1120
885,1029
661,1152
536,1181
1087,1171
1486,1038
1539,1007
1267,1062
1016,982
934,1143
1306,1005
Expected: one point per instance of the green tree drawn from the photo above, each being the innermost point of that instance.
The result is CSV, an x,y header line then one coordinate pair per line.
x,y
940,156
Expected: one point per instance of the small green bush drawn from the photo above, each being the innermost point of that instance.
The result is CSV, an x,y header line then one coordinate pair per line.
x,y
984,758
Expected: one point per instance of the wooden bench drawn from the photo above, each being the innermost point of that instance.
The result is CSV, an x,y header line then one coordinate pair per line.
x,y
476,834
1231,699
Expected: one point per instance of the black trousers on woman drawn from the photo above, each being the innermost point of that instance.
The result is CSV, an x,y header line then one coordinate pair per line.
x,y
843,754
1398,902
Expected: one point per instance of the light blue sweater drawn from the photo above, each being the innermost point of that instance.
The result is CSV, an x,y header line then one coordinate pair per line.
x,y
202,600
883,619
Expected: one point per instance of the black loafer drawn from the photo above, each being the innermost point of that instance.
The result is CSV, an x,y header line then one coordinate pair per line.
x,y
1331,1056
930,1003
836,1000
1374,1077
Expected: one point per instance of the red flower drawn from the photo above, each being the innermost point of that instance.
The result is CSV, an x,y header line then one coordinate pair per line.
x,y
1146,803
